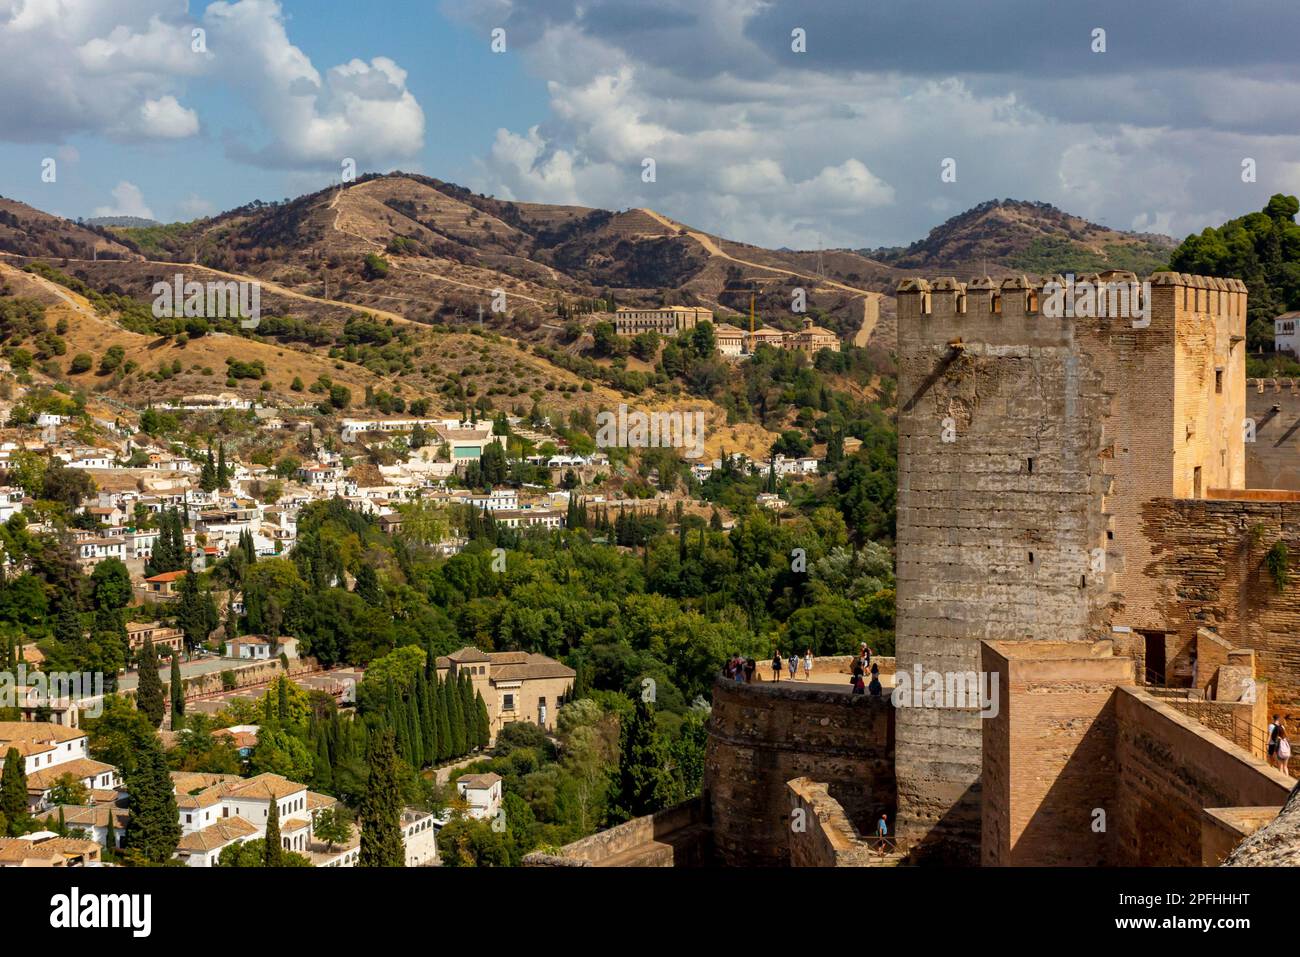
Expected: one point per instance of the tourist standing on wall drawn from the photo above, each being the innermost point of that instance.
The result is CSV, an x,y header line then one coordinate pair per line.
x,y
1283,749
794,665
751,665
776,666
807,664
882,832
1272,739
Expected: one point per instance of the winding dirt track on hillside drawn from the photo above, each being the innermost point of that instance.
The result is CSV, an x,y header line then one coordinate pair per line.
x,y
266,284
713,249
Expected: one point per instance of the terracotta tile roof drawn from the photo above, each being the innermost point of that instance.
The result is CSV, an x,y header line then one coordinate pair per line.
x,y
479,782
535,666
16,850
167,576
217,835
76,816
265,787
81,769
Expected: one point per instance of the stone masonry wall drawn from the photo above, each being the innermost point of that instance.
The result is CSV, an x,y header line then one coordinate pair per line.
x,y
1027,445
1209,573
762,736
1170,770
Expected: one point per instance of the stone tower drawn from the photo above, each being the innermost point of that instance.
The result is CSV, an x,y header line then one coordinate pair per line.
x,y
1028,442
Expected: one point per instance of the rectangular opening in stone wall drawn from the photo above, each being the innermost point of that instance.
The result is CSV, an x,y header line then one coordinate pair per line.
x,y
1196,482
1031,466
1154,642
1031,558
1218,380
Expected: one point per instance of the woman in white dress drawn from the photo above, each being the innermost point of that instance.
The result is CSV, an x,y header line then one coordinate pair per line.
x,y
807,664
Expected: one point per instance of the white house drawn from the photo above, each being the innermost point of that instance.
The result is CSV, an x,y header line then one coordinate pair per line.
x,y
482,792
1284,333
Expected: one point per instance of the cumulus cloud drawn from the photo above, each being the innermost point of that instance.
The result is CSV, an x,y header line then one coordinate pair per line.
x,y
844,144
128,200
124,69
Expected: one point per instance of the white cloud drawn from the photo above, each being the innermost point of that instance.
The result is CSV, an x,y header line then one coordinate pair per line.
x,y
195,207
124,68
127,201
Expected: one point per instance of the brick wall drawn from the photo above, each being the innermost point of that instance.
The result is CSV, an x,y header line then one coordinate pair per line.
x,y
1049,753
762,736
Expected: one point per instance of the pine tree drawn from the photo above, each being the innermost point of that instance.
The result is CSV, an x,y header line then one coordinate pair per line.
x,y
177,694
153,830
149,692
273,851
381,807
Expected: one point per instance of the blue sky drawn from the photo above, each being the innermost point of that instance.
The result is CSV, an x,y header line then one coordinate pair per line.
x,y
840,143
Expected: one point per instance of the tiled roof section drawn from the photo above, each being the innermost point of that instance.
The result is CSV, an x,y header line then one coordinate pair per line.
x,y
76,816
320,802
264,787
16,850
479,782
217,835
468,654
41,734
534,666
81,769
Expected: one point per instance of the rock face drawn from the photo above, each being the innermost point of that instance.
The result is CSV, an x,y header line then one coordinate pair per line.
x,y
1276,844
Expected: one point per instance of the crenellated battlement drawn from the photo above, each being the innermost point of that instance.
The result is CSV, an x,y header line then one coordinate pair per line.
x,y
1274,386
1050,302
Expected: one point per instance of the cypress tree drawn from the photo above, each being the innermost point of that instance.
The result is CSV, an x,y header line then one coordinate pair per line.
x,y
282,698
149,692
322,771
467,709
413,732
153,830
445,741
456,715
177,694
484,725
13,791
273,852
430,721
640,782
381,807
223,471
110,836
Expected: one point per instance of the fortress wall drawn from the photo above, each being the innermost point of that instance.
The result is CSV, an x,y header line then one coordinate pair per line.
x,y
1049,753
1170,770
1209,573
1027,523
762,736
1273,458
823,835
649,841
